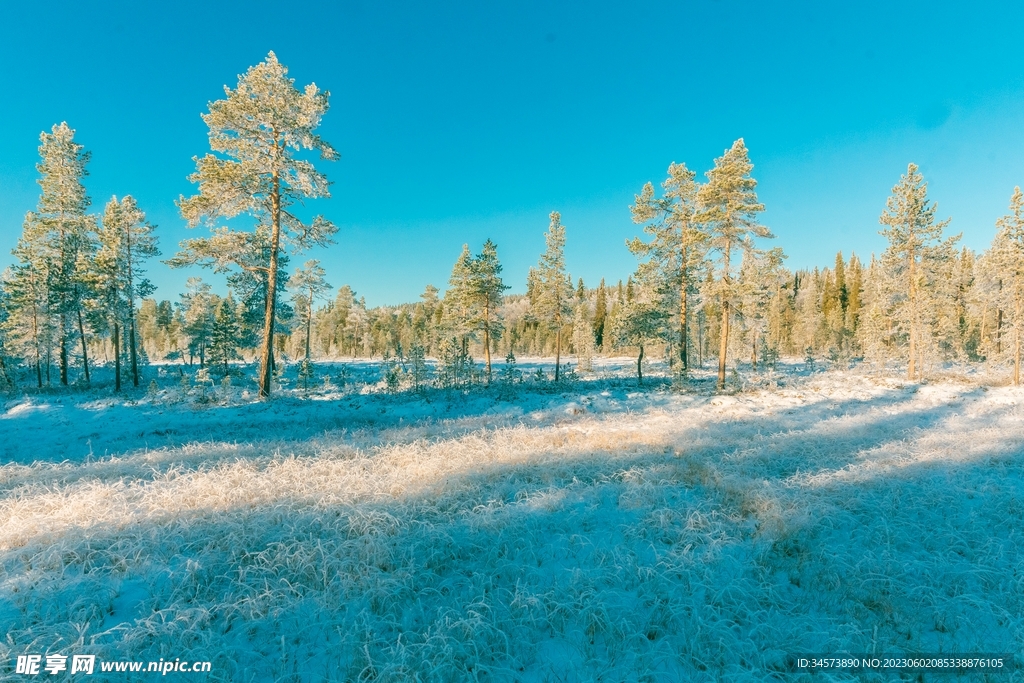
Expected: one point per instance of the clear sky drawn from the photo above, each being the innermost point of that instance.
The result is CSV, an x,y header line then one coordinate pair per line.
x,y
462,121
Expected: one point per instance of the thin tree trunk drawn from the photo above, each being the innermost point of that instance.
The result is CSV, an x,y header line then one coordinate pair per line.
x,y
309,322
85,354
999,331
753,353
558,348
131,310
117,357
134,355
640,366
683,319
1016,341
63,349
723,343
268,332
35,340
487,341
913,318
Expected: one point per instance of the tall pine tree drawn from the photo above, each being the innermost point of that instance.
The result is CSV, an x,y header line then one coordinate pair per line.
x,y
728,210
552,287
258,128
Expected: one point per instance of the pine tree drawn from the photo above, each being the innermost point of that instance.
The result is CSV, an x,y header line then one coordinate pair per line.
x,y
1008,259
59,230
311,283
29,325
729,209
915,252
125,239
223,334
258,127
600,314
485,296
677,241
552,286
643,319
198,310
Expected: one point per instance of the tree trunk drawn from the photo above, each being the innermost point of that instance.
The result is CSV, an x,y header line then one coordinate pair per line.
x,y
1016,341
487,341
131,310
558,349
640,367
85,354
913,318
723,343
117,357
309,322
999,331
683,312
267,351
63,349
753,353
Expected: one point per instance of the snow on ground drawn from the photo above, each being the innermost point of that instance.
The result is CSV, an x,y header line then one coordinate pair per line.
x,y
607,533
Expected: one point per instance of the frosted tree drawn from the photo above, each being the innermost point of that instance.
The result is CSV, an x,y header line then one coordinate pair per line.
x,y
728,210
198,307
913,261
257,130
677,241
1007,259
458,298
759,290
60,232
223,334
551,286
643,319
309,281
29,325
583,338
600,314
486,290
125,240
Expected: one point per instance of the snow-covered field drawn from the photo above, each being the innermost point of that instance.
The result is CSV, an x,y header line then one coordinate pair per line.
x,y
607,533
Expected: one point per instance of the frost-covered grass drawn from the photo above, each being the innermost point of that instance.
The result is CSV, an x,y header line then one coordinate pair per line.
x,y
607,533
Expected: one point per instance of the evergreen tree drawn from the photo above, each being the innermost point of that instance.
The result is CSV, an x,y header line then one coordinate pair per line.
x,y
643,319
600,314
258,127
223,334
59,235
311,283
677,241
728,210
125,239
198,310
552,286
1008,259
485,297
915,253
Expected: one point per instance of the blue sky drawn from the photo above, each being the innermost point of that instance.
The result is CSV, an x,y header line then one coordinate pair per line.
x,y
459,122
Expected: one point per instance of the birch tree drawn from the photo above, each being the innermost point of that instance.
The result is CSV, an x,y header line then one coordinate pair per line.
x,y
257,132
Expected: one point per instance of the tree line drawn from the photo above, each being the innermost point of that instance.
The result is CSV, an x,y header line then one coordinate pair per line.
x,y
706,289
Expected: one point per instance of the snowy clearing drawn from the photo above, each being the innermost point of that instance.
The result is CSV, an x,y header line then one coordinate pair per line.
x,y
608,533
